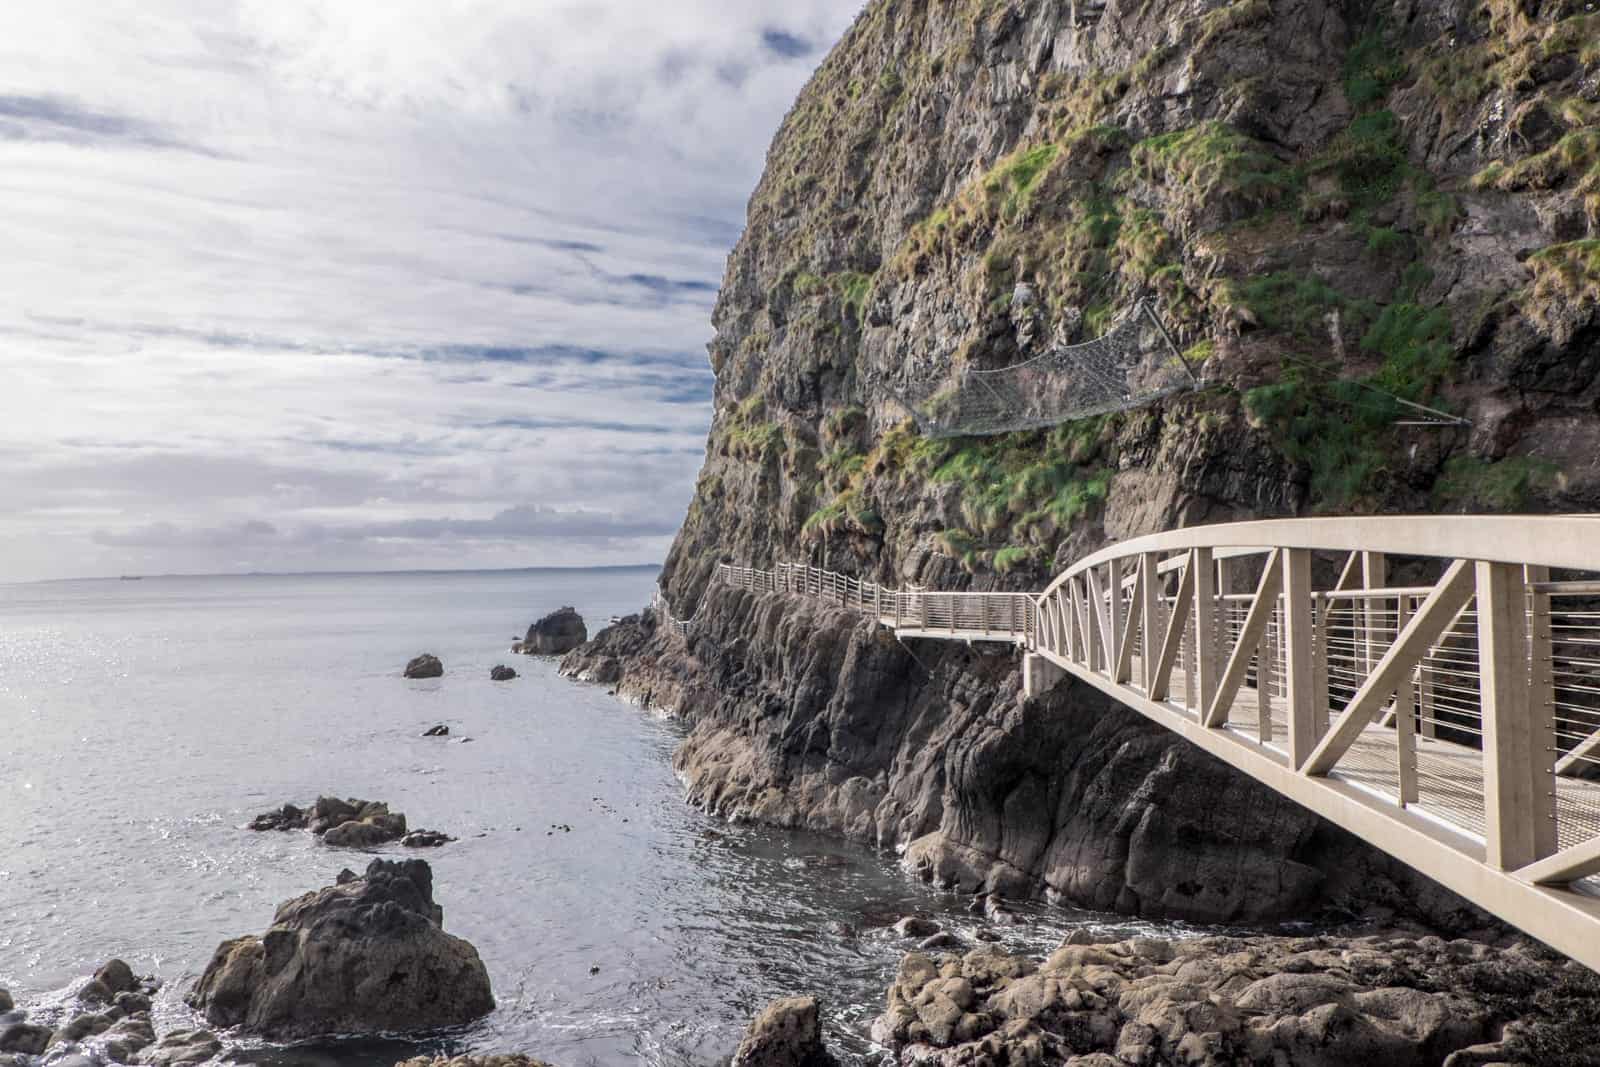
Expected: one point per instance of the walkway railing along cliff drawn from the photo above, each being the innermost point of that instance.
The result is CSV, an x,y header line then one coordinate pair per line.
x,y
1450,717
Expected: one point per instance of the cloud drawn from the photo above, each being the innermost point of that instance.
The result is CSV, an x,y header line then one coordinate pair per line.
x,y
369,284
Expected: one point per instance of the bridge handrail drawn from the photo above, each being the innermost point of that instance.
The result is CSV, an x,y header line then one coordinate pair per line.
x,y
1559,541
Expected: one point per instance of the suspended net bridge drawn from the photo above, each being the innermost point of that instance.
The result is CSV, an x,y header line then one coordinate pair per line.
x,y
1436,692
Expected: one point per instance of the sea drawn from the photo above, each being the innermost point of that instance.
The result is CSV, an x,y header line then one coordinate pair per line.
x,y
144,722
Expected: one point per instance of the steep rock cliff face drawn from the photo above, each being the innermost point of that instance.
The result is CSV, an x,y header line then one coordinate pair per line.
x,y
1339,206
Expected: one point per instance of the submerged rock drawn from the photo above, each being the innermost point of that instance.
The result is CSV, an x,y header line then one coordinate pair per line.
x,y
437,731
556,634
915,926
425,839
502,673
181,1047
426,665
787,1033
368,955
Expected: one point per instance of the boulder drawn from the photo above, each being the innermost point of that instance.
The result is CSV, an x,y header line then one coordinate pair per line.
x,y
131,1035
913,926
425,839
426,665
131,1002
437,731
368,955
117,976
502,673
180,1047
787,1033
83,1026
26,1038
556,634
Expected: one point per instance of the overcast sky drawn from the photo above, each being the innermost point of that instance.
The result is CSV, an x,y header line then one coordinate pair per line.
x,y
295,284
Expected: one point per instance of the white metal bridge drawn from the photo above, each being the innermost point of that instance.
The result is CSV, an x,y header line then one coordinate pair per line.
x,y
1437,692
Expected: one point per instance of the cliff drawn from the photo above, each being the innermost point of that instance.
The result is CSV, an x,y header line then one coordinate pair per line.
x,y
1339,208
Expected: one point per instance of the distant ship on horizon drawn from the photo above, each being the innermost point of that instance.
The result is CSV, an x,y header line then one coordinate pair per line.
x,y
132,578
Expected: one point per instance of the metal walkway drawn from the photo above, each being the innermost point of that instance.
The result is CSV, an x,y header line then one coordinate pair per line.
x,y
1450,716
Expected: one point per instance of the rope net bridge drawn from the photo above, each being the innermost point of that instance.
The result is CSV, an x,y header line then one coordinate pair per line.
x,y
1451,719
1133,364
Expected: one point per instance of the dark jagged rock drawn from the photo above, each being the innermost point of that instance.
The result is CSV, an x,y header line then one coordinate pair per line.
x,y
287,817
502,673
787,1033
425,839
426,665
437,731
556,634
368,955
1312,1002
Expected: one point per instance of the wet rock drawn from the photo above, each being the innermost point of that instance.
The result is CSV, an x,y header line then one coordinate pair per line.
x,y
117,976
942,939
83,1026
437,731
915,926
26,1038
128,1037
498,1060
501,673
556,634
426,665
787,1033
425,839
374,827
345,875
94,991
287,817
181,1047
1379,998
365,956
132,1002
6,1003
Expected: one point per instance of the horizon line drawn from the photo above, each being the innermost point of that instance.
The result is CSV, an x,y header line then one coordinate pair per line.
x,y
339,573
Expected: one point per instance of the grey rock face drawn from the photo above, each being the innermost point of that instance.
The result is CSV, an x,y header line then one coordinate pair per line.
x,y
426,665
556,634
367,955
787,1033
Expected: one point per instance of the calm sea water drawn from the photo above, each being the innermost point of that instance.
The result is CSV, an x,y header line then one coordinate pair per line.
x,y
143,723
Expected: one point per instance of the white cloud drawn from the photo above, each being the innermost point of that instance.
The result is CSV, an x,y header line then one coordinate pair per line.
x,y
368,284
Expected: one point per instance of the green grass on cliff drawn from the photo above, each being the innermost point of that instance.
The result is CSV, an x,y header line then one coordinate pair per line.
x,y
1505,485
1568,272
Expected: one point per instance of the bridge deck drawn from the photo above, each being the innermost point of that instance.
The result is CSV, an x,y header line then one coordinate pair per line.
x,y
1449,775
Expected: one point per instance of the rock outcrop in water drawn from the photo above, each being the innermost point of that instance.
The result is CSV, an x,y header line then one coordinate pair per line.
x,y
502,673
787,1033
117,1028
1313,1002
556,634
341,823
367,955
426,665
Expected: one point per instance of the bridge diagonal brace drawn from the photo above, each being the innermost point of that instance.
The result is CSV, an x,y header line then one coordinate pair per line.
x,y
1578,862
1123,669
1432,618
1161,683
1581,754
1255,624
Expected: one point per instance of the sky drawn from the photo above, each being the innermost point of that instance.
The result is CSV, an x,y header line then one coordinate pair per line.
x,y
302,285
